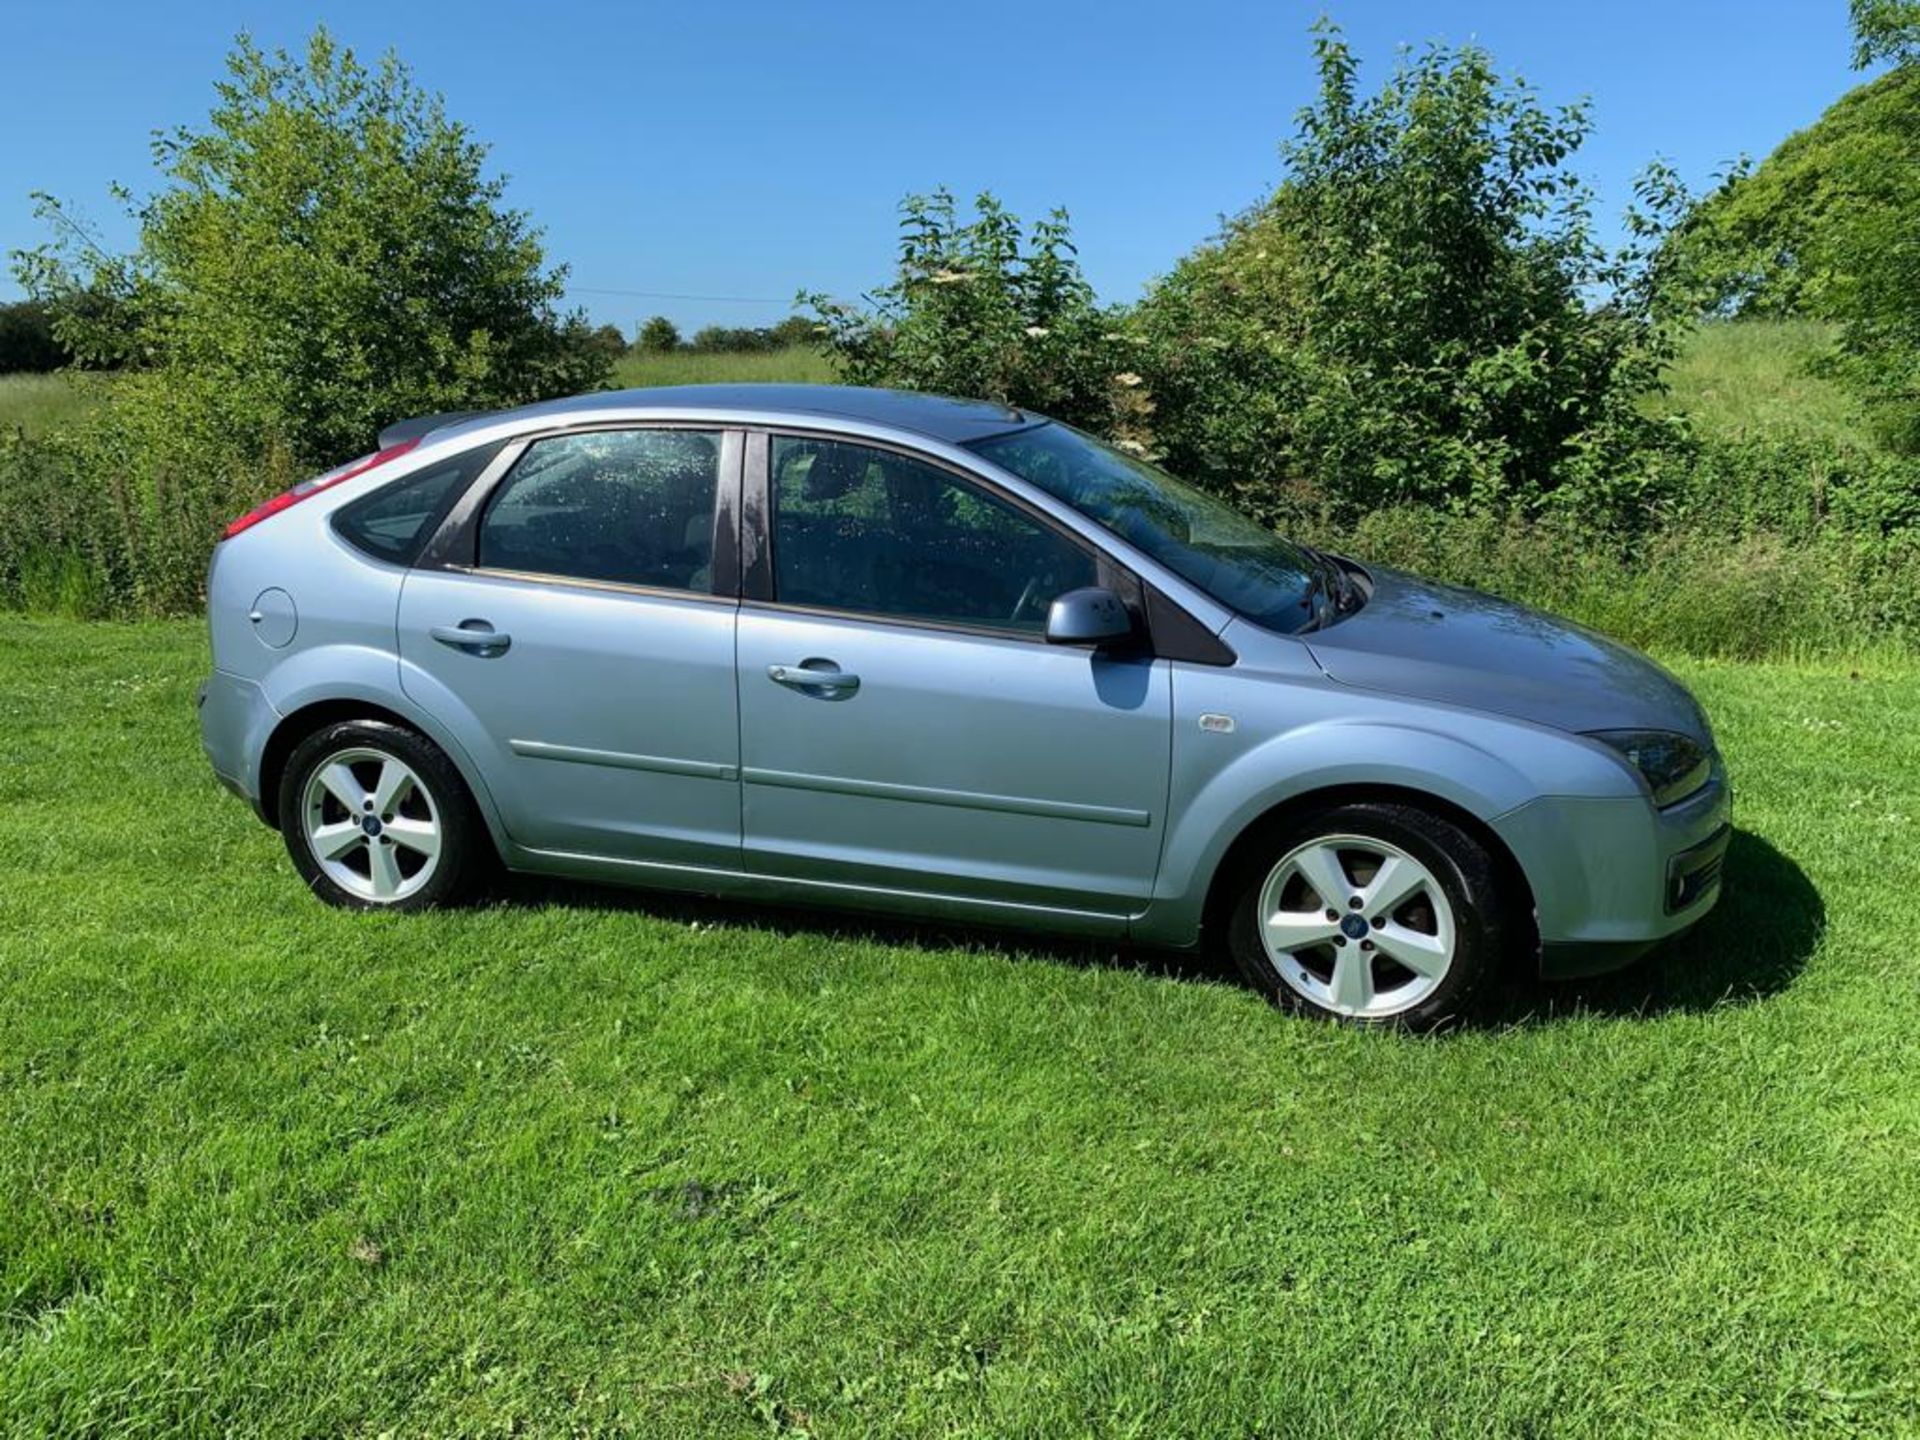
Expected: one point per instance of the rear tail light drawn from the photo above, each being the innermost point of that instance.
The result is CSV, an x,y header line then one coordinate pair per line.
x,y
308,488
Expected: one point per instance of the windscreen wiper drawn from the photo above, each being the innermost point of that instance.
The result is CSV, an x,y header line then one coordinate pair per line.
x,y
1330,579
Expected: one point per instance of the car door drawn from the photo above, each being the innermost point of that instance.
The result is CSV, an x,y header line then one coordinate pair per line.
x,y
903,723
577,634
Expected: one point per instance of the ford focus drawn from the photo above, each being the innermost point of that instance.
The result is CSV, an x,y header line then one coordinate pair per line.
x,y
945,659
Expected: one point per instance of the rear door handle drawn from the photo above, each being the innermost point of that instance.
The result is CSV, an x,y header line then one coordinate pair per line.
x,y
805,677
475,635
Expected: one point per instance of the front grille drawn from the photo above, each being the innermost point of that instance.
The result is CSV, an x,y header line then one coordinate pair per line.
x,y
1692,873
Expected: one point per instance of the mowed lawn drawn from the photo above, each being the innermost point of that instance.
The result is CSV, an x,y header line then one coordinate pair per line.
x,y
586,1162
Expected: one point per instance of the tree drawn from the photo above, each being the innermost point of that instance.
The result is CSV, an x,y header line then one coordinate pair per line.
x,y
657,336
325,255
982,308
794,330
1419,313
1885,30
606,341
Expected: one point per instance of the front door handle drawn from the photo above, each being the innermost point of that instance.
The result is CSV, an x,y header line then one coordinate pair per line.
x,y
807,677
474,635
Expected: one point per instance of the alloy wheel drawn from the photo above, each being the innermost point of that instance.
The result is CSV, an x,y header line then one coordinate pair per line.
x,y
371,824
1356,925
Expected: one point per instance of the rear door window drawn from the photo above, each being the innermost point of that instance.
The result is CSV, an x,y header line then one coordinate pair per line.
x,y
629,507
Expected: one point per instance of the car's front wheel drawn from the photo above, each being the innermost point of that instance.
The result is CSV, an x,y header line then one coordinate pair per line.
x,y
1372,913
376,817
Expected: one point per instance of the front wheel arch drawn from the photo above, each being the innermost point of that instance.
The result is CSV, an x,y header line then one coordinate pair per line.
x,y
1513,877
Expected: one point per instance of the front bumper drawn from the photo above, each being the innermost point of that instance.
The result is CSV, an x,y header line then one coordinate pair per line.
x,y
1611,878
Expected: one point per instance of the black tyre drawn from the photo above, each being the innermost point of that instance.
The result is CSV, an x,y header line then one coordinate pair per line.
x,y
1372,913
377,818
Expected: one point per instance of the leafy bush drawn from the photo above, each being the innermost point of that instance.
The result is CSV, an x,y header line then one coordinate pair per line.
x,y
1410,318
325,256
985,308
604,342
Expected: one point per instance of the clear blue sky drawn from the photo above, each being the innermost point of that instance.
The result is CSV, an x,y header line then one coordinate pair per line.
x,y
749,149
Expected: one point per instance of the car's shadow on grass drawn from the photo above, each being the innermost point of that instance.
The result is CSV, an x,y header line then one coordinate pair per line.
x,y
1755,942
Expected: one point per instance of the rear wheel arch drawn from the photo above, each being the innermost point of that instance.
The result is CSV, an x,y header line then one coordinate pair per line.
x,y
297,725
1236,857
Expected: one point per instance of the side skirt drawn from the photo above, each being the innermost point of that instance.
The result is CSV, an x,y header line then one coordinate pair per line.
x,y
744,885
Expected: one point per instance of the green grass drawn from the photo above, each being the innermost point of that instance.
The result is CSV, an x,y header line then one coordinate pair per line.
x,y
689,367
586,1163
1754,377
39,403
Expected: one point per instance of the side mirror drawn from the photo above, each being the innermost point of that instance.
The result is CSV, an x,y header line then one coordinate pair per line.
x,y
1092,616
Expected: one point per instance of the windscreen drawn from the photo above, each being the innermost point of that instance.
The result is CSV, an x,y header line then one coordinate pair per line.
x,y
1204,541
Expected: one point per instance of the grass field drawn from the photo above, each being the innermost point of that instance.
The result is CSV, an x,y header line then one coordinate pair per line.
x,y
690,367
39,403
582,1162
1759,377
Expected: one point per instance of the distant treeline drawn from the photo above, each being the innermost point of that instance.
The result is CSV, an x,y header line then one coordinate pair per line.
x,y
658,334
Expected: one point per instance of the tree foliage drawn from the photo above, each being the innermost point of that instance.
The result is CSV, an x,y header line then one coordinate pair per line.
x,y
1419,313
1879,305
324,255
1885,30
1825,229
27,341
1778,240
981,307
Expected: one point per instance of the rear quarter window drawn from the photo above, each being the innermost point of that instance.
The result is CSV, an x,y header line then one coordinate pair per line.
x,y
394,522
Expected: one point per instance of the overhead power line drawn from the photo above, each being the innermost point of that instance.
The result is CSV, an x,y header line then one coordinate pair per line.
x,y
667,295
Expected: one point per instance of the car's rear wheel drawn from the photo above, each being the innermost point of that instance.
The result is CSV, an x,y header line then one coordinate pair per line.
x,y
377,818
1371,913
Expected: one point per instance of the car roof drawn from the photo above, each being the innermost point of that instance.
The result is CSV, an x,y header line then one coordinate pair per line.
x,y
937,417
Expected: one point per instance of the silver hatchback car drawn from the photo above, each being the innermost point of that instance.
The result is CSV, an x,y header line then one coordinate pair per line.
x,y
946,658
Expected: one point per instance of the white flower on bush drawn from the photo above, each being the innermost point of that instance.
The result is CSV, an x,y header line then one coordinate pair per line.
x,y
1127,378
1038,332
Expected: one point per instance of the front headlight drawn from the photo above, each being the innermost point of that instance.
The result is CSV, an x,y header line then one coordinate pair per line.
x,y
1672,765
